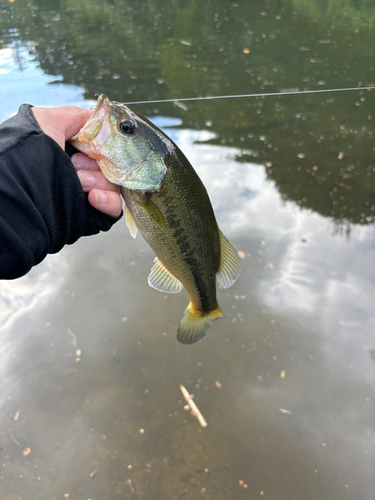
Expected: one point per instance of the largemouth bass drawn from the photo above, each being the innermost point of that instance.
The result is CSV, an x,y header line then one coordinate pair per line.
x,y
167,202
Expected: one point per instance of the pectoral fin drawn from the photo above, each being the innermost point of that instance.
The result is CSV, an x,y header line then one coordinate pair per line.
x,y
152,211
230,265
161,279
130,222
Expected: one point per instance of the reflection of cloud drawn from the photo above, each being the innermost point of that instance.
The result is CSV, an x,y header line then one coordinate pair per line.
x,y
6,56
318,274
21,295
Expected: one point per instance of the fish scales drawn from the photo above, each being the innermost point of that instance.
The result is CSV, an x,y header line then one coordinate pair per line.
x,y
189,247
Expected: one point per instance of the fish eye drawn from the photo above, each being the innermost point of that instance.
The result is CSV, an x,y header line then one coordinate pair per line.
x,y
127,127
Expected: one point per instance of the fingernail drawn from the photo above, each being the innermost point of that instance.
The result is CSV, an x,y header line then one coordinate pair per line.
x,y
86,179
100,197
75,160
80,161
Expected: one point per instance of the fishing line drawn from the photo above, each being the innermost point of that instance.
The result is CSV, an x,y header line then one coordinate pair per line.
x,y
292,92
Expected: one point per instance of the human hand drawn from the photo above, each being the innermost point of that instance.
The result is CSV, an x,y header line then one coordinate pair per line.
x,y
61,124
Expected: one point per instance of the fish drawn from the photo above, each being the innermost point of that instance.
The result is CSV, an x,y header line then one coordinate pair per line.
x,y
165,201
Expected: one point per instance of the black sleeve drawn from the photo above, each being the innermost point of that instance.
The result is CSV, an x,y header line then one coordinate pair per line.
x,y
42,204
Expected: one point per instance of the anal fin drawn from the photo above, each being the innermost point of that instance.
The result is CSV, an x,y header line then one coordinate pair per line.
x,y
161,279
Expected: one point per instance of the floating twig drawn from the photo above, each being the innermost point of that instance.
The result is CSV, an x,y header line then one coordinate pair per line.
x,y
285,412
93,473
15,440
130,484
74,338
193,406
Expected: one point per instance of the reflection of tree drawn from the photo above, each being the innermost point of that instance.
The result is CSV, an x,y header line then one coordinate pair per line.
x,y
318,149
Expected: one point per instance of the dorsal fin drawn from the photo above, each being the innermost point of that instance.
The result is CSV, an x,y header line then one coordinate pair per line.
x,y
230,264
161,279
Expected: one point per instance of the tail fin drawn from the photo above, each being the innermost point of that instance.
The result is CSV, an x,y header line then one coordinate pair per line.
x,y
195,324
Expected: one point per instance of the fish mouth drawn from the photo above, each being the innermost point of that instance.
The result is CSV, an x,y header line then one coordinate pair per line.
x,y
95,123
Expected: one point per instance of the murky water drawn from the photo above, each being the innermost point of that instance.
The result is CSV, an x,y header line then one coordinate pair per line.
x,y
90,405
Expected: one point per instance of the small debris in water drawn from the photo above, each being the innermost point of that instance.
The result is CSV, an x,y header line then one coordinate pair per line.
x,y
246,50
241,254
93,473
66,495
16,416
282,374
218,385
74,338
129,467
124,319
341,155
48,325
270,265
240,482
141,431
78,353
26,452
285,412
130,484
301,155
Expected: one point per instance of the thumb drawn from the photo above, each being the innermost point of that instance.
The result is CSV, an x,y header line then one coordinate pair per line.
x,y
61,123
74,119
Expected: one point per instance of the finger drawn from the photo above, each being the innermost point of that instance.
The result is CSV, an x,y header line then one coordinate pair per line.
x,y
107,202
95,180
83,162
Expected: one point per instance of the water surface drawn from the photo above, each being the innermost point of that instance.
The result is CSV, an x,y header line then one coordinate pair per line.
x,y
90,366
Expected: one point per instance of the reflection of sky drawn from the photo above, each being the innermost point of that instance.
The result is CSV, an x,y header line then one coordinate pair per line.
x,y
22,81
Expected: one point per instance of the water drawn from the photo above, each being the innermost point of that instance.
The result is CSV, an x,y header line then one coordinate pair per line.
x,y
90,367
